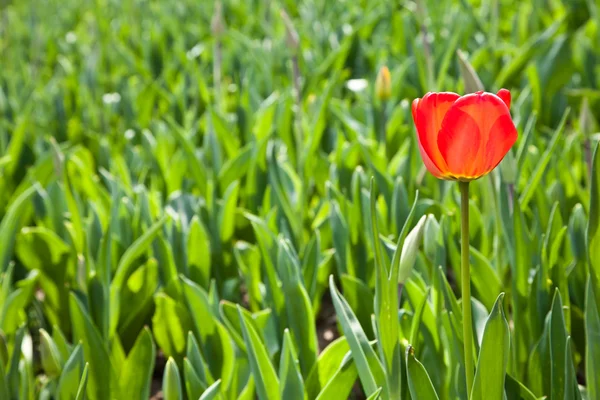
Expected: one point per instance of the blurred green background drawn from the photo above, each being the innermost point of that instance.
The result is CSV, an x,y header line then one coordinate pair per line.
x,y
162,161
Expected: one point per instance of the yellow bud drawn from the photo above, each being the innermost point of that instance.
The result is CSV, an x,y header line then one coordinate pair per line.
x,y
383,84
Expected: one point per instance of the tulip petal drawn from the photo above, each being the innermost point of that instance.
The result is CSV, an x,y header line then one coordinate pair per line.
x,y
428,114
459,142
502,136
505,96
476,133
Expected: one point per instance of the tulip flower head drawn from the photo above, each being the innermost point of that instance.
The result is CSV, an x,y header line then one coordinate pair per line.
x,y
463,137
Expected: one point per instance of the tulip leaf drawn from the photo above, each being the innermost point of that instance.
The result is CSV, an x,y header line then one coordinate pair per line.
x,y
536,177
593,228
171,385
68,383
136,372
299,310
10,224
493,356
516,390
82,389
292,386
419,383
330,376
265,378
558,338
51,358
376,395
369,368
592,351
212,392
194,387
102,380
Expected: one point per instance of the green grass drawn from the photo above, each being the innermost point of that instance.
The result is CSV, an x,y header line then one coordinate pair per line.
x,y
167,194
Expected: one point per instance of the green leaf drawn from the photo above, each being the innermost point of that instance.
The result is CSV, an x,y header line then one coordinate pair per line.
x,y
197,362
194,387
51,358
213,336
212,392
10,224
13,376
227,211
127,261
493,356
410,249
571,387
102,383
199,253
593,228
376,395
419,383
171,385
558,338
125,268
60,341
196,165
136,373
170,323
12,308
328,365
525,53
68,383
265,378
386,295
4,394
369,368
470,78
592,336
536,177
292,386
360,298
516,390
300,315
99,304
81,391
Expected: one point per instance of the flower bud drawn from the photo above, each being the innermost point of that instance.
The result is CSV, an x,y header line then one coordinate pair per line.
x,y
410,249
383,84
51,360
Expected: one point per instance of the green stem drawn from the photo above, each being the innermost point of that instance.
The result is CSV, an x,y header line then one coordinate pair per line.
x,y
466,285
383,122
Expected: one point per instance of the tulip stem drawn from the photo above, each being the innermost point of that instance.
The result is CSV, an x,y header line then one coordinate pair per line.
x,y
466,285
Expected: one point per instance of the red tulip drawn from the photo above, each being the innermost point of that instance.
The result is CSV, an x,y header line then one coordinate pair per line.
x,y
463,138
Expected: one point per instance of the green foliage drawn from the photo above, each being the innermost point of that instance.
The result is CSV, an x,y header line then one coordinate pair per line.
x,y
190,190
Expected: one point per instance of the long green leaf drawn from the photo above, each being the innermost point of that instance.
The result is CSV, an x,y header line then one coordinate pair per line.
x,y
212,392
369,368
419,383
292,386
10,225
493,356
593,228
171,385
136,373
102,381
592,336
265,378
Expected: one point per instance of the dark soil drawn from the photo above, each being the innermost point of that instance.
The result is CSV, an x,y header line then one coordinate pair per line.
x,y
159,369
